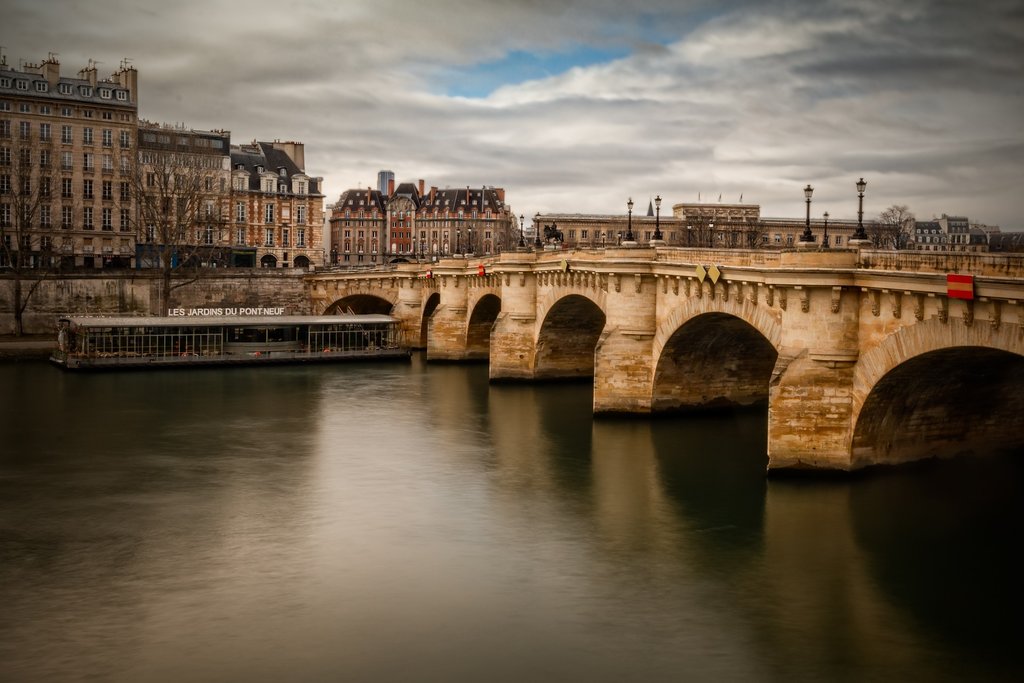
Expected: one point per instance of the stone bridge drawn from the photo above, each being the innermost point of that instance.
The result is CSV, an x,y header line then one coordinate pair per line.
x,y
862,358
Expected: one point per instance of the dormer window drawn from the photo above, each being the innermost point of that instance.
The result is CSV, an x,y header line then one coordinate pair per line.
x,y
85,91
282,172
42,86
105,93
259,169
283,189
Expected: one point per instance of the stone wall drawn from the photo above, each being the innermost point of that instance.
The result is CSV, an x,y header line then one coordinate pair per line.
x,y
137,293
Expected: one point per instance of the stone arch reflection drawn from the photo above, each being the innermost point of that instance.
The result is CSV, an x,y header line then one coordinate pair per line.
x,y
433,301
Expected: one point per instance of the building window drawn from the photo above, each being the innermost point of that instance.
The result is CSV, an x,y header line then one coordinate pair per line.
x,y
268,237
268,216
5,184
66,89
44,216
67,160
125,139
108,190
65,188
108,137
107,215
87,136
284,237
122,95
125,224
87,189
125,190
5,156
240,212
300,237
88,161
44,158
87,218
5,128
25,129
44,132
208,235
65,112
300,215
66,217
65,135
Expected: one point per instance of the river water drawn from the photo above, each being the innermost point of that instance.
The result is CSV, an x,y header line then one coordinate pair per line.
x,y
411,522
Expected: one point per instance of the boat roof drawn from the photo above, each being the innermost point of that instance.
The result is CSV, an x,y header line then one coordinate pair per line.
x,y
225,320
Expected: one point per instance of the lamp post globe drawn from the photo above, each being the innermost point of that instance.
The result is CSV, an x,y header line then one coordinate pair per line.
x,y
629,224
808,236
860,234
657,217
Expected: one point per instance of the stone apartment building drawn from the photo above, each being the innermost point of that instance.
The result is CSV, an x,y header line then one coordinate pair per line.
x,y
276,209
66,146
373,226
697,224
76,162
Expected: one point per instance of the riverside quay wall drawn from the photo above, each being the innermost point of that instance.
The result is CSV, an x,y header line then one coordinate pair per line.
x,y
138,293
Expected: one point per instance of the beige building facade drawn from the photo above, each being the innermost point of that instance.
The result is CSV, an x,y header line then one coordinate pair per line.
x,y
66,147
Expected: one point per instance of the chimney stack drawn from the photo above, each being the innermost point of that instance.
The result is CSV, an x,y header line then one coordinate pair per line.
x,y
421,187
391,186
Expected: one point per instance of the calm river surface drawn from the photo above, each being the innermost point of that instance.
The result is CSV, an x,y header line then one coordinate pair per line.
x,y
406,522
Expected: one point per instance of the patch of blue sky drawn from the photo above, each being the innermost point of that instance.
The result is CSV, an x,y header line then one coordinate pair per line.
x,y
480,80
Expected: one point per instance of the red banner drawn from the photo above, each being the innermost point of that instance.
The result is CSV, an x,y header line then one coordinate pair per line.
x,y
960,286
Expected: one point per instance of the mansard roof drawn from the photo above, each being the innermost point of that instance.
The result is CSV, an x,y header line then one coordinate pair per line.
x,y
356,199
467,199
264,155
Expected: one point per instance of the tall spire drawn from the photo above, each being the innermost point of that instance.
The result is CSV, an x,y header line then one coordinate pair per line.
x,y
650,208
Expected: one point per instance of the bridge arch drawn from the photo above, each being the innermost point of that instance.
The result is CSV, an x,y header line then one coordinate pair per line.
x,y
712,359
938,389
429,306
360,304
483,312
567,338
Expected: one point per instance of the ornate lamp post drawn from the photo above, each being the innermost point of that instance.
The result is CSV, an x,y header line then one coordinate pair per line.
x,y
859,234
808,236
522,242
469,241
629,224
458,241
657,217
824,238
537,244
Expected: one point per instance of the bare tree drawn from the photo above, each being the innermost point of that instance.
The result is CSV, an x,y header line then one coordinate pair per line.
x,y
177,214
754,231
28,178
893,228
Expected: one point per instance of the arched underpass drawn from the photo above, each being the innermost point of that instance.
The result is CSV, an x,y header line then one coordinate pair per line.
x,y
568,338
433,301
713,360
478,334
941,404
360,304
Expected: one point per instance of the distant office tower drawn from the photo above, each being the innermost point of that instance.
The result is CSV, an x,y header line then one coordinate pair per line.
x,y
384,180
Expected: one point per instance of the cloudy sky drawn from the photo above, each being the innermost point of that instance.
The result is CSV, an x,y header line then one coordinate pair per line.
x,y
575,106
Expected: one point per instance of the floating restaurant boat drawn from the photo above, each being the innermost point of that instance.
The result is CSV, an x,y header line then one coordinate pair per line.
x,y
85,342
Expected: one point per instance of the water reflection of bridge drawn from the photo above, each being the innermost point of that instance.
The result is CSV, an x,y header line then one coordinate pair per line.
x,y
862,357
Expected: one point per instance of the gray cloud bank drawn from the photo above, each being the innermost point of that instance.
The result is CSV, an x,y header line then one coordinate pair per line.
x,y
923,99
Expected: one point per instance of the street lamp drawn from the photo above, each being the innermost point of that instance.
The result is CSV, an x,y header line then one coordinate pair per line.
x,y
808,236
860,234
458,241
522,242
657,217
536,232
629,225
824,238
469,241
